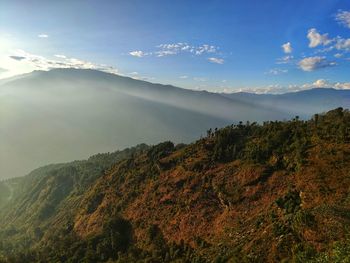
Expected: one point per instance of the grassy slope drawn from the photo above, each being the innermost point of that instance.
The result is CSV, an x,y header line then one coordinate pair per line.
x,y
244,193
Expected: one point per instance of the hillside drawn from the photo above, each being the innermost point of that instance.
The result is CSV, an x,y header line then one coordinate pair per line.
x,y
98,112
275,192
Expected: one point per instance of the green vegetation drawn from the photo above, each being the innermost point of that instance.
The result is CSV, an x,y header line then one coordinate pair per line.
x,y
276,192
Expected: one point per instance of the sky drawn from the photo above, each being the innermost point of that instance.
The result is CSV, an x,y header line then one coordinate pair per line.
x,y
270,46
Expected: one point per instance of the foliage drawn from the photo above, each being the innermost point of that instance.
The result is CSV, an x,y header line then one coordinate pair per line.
x,y
275,192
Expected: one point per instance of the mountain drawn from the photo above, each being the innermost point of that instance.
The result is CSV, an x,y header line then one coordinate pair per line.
x,y
275,192
67,114
300,103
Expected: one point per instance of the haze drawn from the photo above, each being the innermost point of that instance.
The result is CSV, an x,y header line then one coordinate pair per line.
x,y
75,81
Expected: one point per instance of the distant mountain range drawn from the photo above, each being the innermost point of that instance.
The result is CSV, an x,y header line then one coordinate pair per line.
x,y
66,114
302,103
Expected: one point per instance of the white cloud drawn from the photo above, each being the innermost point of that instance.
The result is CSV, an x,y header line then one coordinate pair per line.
x,y
313,63
317,39
183,77
342,85
43,36
270,89
277,71
177,48
343,17
278,89
287,48
137,53
338,55
342,44
205,49
285,60
163,53
36,62
216,60
322,83
60,56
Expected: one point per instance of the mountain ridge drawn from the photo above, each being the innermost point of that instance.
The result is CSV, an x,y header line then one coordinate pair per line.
x,y
114,75
245,193
100,112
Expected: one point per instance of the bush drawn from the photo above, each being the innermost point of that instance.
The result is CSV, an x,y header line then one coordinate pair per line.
x,y
160,150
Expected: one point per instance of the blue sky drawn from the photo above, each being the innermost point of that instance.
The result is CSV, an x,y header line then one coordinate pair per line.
x,y
212,45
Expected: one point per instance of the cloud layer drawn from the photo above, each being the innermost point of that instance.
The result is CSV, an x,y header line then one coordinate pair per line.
x,y
278,89
177,48
62,61
172,49
343,17
338,45
313,63
137,53
216,60
277,71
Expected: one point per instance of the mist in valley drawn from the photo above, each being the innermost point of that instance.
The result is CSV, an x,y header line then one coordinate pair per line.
x,y
69,114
